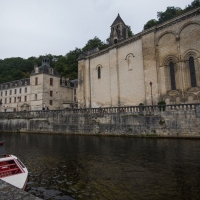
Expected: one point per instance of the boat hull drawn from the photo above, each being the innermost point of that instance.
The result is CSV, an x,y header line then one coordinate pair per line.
x,y
13,171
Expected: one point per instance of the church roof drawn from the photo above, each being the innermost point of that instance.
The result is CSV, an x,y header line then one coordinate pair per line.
x,y
117,20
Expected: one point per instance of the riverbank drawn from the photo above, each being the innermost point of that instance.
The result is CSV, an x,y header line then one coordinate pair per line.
x,y
171,121
8,191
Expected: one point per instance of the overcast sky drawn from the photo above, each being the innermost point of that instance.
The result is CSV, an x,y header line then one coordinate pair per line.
x,y
39,27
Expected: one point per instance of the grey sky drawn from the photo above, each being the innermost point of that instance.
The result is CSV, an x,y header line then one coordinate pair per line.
x,y
38,27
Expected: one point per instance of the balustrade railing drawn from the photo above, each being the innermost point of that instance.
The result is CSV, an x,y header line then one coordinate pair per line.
x,y
135,110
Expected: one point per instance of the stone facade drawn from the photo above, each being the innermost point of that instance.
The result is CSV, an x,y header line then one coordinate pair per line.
x,y
168,55
43,90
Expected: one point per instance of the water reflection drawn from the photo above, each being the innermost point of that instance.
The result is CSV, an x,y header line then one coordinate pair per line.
x,y
87,167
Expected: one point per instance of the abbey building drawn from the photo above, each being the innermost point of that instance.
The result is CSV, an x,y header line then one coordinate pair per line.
x,y
44,90
168,55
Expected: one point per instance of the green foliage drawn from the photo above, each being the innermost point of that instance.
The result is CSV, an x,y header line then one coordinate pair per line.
x,y
162,105
16,68
19,68
150,24
67,66
93,43
193,5
130,33
170,13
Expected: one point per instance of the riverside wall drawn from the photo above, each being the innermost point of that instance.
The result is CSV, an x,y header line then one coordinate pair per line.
x,y
167,121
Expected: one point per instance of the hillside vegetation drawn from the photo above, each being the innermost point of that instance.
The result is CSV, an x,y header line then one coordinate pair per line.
x,y
170,13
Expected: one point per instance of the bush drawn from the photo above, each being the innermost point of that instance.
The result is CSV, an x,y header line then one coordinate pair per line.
x,y
162,105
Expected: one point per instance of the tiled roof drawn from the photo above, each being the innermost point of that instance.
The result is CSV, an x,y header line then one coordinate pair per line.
x,y
117,20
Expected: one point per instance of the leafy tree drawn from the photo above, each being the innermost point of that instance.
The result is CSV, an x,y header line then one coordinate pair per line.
x,y
150,23
130,33
93,43
170,13
193,5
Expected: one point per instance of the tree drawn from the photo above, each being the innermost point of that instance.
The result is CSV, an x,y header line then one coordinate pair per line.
x,y
170,13
193,5
150,23
93,43
130,33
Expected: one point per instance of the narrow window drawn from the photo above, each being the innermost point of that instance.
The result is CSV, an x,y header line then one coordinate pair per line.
x,y
51,102
172,76
10,100
20,90
75,91
25,98
51,93
35,96
74,98
5,93
36,80
15,91
51,81
10,92
99,72
5,100
25,90
192,72
1,93
15,99
19,99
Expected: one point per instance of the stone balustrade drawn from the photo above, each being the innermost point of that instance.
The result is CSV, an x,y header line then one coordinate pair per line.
x,y
144,110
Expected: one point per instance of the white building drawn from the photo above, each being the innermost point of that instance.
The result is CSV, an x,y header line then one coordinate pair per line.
x,y
43,90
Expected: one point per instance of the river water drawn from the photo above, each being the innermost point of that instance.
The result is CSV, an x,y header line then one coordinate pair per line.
x,y
108,168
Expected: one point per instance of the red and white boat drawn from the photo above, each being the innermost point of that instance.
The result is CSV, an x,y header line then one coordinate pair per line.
x,y
12,170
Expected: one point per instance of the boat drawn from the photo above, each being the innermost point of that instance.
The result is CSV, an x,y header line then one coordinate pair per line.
x,y
12,170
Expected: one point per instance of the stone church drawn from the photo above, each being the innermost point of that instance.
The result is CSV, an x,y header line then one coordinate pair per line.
x,y
166,55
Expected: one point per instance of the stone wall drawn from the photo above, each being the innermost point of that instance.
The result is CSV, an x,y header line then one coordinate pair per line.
x,y
169,121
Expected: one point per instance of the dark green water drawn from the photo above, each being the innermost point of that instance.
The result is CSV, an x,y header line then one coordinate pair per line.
x,y
113,168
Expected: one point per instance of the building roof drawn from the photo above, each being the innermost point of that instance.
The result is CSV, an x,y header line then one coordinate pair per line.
x,y
45,68
118,20
15,83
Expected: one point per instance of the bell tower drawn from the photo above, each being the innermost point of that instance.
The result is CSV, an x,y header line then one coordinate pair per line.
x,y
46,61
119,31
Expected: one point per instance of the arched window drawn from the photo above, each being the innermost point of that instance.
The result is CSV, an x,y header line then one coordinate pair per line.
x,y
192,72
99,72
130,61
172,76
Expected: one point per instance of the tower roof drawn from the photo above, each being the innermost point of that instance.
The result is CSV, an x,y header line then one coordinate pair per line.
x,y
117,20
